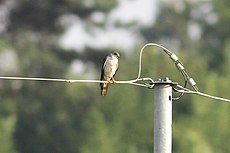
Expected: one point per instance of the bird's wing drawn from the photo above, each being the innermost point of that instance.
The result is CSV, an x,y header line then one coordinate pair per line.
x,y
103,67
116,70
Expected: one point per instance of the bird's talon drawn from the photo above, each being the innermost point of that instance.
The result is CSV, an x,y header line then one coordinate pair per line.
x,y
113,81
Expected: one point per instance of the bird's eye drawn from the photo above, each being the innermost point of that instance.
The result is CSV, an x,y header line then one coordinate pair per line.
x,y
116,54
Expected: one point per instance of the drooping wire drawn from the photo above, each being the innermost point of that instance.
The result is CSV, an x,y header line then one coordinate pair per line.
x,y
172,56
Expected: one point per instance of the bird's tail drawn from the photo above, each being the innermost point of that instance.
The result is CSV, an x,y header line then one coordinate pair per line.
x,y
104,88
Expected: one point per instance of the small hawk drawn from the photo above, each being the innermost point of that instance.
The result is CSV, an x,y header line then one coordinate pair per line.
x,y
108,71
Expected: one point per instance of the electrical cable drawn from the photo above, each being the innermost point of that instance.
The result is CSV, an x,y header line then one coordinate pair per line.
x,y
132,82
181,68
148,82
175,59
181,89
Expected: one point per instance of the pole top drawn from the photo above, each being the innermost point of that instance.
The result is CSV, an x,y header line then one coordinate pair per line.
x,y
165,81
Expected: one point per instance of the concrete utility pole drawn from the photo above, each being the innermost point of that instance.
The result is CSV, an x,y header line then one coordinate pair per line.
x,y
163,116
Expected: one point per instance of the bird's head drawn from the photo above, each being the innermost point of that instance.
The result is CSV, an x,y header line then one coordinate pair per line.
x,y
116,54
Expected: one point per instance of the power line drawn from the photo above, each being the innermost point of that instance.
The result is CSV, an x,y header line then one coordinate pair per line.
x,y
142,82
132,82
181,89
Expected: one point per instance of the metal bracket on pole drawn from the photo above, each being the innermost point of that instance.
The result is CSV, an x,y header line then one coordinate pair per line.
x,y
163,116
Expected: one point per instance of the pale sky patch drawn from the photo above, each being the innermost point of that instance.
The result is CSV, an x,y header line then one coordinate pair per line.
x,y
142,12
79,34
194,31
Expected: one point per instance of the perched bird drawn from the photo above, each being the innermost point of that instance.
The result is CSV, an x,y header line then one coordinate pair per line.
x,y
108,71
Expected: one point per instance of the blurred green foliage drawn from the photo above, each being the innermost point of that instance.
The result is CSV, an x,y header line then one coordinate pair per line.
x,y
41,117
